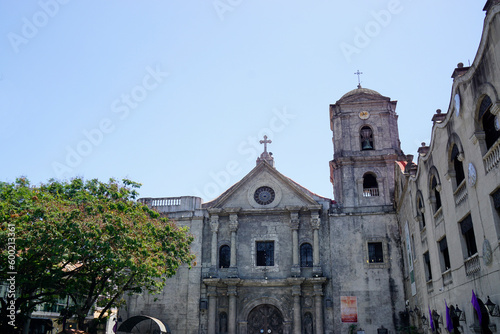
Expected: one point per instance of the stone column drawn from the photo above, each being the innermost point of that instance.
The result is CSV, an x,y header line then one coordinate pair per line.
x,y
233,227
316,223
294,226
232,293
295,283
214,225
318,304
212,309
297,319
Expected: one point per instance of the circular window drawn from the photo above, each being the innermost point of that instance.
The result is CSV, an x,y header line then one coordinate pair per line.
x,y
264,195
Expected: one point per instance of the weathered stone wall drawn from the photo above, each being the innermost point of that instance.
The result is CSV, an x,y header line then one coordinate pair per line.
x,y
178,306
377,287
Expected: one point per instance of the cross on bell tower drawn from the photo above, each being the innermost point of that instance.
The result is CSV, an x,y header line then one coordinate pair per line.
x,y
266,156
358,73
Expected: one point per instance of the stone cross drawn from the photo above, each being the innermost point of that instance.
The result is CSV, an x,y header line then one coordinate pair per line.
x,y
265,142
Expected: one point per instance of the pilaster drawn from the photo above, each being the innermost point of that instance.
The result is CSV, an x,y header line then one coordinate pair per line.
x,y
316,224
294,226
297,311
318,304
212,308
233,227
232,292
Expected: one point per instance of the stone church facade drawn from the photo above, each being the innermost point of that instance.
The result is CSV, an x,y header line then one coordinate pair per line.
x,y
273,257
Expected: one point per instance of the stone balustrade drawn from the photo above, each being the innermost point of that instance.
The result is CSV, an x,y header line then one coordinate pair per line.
x,y
447,278
370,192
492,157
438,216
472,264
430,286
172,204
461,193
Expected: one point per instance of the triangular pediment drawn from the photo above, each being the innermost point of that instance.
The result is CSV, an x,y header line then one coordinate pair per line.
x,y
255,190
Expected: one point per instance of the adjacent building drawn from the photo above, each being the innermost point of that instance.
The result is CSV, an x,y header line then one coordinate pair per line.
x,y
448,203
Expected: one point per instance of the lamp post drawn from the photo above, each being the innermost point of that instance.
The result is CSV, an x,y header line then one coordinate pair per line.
x,y
459,313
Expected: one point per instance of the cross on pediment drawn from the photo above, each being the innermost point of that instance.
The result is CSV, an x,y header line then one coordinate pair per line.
x,y
265,142
265,156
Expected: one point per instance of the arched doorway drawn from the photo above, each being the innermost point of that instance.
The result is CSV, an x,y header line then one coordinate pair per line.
x,y
156,326
265,319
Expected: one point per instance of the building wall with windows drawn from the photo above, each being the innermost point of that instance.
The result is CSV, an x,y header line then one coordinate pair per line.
x,y
449,201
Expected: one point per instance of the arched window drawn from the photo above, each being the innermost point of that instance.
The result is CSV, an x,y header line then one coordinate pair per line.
x,y
435,191
224,256
457,165
366,138
420,211
370,185
306,255
490,123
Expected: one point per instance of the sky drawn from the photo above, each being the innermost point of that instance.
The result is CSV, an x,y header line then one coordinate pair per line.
x,y
177,94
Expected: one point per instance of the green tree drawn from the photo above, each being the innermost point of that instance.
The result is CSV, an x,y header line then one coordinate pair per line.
x,y
87,241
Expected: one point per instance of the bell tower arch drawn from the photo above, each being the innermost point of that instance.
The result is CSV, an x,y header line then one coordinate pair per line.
x,y
365,146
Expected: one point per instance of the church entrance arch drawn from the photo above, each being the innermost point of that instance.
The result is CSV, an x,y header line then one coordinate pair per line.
x,y
265,319
133,325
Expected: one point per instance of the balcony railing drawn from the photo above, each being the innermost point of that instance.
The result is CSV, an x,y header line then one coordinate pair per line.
x,y
369,192
430,286
438,216
447,279
492,157
423,234
162,201
166,205
472,264
461,193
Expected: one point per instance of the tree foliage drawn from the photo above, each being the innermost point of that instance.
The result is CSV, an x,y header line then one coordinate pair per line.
x,y
87,241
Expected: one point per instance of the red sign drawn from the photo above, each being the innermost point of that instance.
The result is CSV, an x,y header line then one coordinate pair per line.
x,y
348,309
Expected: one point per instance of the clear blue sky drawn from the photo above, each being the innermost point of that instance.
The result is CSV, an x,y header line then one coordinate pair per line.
x,y
176,94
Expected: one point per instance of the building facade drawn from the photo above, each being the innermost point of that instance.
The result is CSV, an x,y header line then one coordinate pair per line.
x,y
274,257
449,203
400,243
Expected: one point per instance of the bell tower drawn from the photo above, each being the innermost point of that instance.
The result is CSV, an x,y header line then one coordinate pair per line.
x,y
365,147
